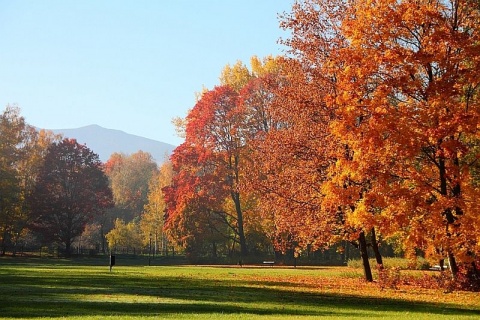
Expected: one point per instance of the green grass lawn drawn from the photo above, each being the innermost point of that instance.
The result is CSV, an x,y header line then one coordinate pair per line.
x,y
79,289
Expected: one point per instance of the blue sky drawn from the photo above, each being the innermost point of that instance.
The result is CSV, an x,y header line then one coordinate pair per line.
x,y
126,65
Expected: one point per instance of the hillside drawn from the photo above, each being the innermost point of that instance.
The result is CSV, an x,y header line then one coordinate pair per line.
x,y
104,142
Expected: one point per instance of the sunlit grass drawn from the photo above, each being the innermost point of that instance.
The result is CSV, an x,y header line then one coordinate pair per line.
x,y
63,289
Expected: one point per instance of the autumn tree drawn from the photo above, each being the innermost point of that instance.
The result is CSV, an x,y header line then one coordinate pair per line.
x,y
129,176
402,87
252,119
90,238
71,189
216,123
420,89
290,156
195,217
12,128
153,217
124,236
214,140
22,150
216,154
236,76
257,104
308,105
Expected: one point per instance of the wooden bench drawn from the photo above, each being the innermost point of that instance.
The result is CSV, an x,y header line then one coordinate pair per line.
x,y
269,263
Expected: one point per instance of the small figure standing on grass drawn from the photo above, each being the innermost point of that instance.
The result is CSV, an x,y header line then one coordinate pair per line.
x,y
112,261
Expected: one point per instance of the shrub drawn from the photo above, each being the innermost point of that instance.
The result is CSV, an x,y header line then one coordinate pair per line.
x,y
389,277
468,278
354,263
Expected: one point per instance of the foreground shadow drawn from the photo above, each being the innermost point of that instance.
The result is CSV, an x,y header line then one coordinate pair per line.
x,y
43,294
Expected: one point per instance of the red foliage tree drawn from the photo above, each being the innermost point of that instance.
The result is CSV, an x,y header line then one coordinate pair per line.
x,y
71,189
208,163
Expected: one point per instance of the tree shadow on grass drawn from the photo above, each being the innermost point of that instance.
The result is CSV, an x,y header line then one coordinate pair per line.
x,y
69,294
79,308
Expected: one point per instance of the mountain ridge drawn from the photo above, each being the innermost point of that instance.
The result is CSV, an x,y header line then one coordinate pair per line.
x,y
105,142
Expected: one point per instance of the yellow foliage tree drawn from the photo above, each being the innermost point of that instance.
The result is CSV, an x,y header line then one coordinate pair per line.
x,y
124,236
153,217
236,76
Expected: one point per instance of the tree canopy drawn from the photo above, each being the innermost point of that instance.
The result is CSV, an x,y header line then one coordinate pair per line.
x,y
366,129
71,189
400,81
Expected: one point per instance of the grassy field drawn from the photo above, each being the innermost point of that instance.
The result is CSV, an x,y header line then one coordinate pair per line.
x,y
82,289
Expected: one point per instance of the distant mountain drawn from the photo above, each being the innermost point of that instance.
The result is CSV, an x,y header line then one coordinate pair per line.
x,y
104,142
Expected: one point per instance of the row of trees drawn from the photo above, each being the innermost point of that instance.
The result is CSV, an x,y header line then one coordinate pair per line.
x,y
55,191
367,130
49,187
370,127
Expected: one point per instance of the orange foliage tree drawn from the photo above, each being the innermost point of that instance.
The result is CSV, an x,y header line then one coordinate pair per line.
x,y
288,157
401,82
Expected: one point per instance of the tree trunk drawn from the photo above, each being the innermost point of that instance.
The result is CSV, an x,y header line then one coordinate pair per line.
x,y
453,264
4,240
347,251
214,249
448,213
4,246
102,237
378,256
241,233
234,182
441,263
474,270
367,271
68,245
